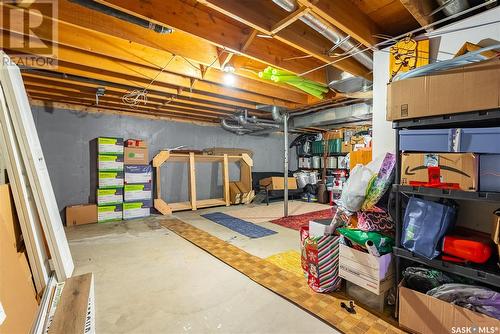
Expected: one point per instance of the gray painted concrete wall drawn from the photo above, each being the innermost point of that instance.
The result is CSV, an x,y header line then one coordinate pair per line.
x,y
65,136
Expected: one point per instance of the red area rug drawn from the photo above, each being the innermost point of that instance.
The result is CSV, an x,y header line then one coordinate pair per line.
x,y
295,222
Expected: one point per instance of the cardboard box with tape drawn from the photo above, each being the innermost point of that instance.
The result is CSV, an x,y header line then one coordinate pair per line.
x,y
109,196
468,88
136,156
109,213
109,145
138,209
137,192
278,183
456,169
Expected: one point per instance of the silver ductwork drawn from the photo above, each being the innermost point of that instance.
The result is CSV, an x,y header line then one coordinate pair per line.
x,y
242,124
346,83
339,115
339,39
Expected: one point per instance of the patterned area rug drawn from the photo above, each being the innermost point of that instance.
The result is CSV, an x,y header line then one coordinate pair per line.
x,y
286,284
295,222
289,261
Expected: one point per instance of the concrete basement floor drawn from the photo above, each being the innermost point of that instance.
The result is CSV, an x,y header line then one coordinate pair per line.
x,y
150,280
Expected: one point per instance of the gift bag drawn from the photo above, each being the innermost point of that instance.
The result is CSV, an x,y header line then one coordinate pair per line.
x,y
320,261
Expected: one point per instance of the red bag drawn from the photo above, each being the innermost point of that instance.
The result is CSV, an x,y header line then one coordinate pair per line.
x,y
320,261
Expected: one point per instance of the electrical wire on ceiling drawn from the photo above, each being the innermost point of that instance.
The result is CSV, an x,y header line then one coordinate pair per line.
x,y
138,96
133,98
395,39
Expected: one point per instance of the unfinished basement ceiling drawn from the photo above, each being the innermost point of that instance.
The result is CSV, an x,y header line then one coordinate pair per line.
x,y
99,52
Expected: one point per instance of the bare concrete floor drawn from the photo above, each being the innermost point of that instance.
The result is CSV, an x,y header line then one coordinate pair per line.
x,y
149,280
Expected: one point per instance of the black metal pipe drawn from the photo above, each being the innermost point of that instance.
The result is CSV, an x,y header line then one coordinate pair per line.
x,y
123,16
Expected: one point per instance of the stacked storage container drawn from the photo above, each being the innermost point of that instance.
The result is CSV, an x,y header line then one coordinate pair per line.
x,y
138,180
110,179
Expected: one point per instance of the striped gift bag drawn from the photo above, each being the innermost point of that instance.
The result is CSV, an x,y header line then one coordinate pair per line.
x,y
320,261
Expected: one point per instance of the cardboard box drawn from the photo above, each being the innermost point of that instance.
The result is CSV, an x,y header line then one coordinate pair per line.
x,y
137,192
489,172
495,231
424,314
375,274
141,143
110,180
17,292
346,147
81,214
109,162
459,168
317,228
136,156
334,134
468,88
109,196
278,183
362,156
234,193
109,145
137,209
108,213
139,174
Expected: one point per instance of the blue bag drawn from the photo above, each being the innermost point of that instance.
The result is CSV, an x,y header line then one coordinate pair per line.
x,y
424,225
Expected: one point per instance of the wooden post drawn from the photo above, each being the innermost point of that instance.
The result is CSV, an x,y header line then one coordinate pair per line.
x,y
225,169
192,180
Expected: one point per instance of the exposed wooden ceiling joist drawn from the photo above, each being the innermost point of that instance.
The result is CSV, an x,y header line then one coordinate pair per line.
x,y
140,76
305,39
420,10
84,109
348,18
221,32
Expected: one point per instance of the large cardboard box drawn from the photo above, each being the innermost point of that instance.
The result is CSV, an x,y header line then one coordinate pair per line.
x,y
234,193
17,293
138,174
375,274
424,314
458,168
110,179
495,231
108,213
109,196
137,192
468,88
136,156
81,214
110,162
138,209
109,145
278,183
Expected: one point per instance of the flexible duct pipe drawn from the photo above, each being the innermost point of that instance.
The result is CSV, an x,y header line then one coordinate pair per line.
x,y
234,128
330,32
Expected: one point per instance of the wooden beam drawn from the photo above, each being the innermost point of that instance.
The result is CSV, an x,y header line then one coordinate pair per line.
x,y
105,45
291,18
299,37
225,171
220,32
344,15
192,181
191,99
137,73
248,40
420,9
51,104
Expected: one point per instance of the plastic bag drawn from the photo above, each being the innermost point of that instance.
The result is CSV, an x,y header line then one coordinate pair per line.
x,y
354,191
382,242
424,279
475,298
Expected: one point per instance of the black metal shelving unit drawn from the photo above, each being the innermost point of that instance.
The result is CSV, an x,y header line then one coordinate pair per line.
x,y
487,273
